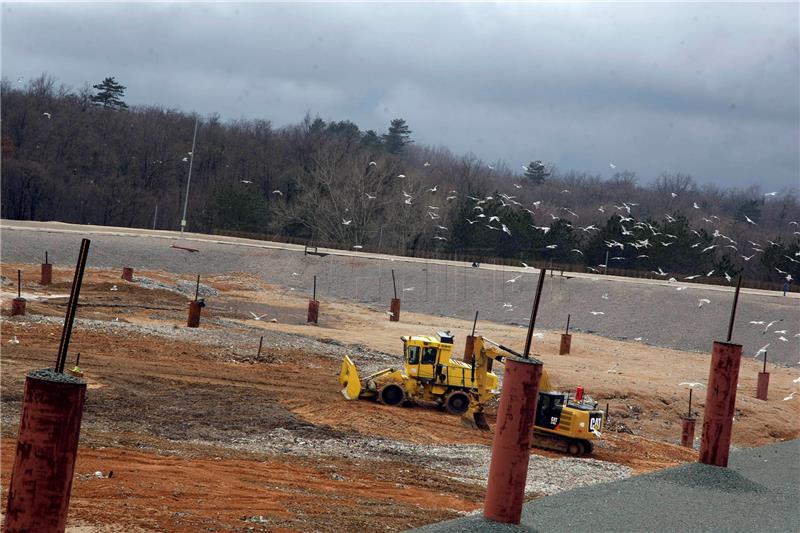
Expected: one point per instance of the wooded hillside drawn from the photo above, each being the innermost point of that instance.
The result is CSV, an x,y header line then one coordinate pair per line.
x,y
83,156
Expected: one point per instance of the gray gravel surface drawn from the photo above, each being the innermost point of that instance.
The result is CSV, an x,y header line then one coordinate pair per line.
x,y
759,491
463,462
659,315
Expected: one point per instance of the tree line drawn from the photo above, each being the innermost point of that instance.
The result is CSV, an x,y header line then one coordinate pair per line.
x,y
84,156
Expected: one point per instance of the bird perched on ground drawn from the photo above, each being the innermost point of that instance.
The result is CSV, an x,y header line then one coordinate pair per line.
x,y
357,247
702,301
13,340
409,289
595,313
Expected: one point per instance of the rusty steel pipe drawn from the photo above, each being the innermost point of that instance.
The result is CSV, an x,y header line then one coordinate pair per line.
x,y
469,348
313,312
18,307
394,310
720,403
47,274
194,314
762,387
127,273
566,344
508,471
47,447
687,432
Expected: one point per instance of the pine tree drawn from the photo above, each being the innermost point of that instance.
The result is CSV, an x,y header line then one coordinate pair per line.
x,y
398,136
537,173
109,94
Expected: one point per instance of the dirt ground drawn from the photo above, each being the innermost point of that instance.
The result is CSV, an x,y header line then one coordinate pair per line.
x,y
177,414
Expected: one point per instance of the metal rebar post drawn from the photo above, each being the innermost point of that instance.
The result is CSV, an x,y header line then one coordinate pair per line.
x,y
19,283
394,284
474,323
765,362
260,343
46,262
733,308
314,293
534,312
197,288
568,317
72,306
690,404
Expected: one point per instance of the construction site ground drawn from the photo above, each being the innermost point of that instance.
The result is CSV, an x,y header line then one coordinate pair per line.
x,y
204,434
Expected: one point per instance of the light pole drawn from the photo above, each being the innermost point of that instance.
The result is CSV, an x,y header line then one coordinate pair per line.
x,y
189,179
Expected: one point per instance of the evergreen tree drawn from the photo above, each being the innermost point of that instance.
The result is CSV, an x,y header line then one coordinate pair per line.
x,y
371,140
537,173
398,136
109,94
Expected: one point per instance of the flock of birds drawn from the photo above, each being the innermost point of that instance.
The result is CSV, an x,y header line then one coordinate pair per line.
x,y
628,223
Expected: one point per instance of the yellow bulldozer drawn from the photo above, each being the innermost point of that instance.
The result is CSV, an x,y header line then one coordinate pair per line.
x,y
563,422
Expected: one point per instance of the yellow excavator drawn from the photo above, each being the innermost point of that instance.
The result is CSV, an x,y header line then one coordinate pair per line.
x,y
563,422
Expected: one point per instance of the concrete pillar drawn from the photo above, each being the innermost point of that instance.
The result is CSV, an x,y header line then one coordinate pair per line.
x,y
505,491
763,386
194,314
566,343
313,312
127,274
720,403
47,447
469,347
395,310
47,274
687,432
18,307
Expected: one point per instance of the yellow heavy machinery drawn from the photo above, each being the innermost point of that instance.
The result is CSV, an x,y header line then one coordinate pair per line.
x,y
563,422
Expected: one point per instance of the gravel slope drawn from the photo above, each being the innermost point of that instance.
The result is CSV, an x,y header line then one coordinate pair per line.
x,y
758,492
657,314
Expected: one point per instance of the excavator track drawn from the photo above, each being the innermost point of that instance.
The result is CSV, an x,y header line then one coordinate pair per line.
x,y
547,441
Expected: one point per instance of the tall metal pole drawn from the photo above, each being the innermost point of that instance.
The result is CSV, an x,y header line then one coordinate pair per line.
x,y
605,271
155,214
534,312
733,308
189,179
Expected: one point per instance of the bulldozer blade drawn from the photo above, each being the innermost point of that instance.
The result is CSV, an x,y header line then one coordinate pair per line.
x,y
348,379
475,421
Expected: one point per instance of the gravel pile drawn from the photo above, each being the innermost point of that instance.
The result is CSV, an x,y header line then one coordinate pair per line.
x,y
659,315
463,462
183,287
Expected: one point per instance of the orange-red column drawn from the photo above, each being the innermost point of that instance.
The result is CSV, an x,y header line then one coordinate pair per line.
x,y
687,432
47,274
720,403
47,446
194,314
762,387
505,491
313,312
469,347
566,343
18,307
127,273
394,308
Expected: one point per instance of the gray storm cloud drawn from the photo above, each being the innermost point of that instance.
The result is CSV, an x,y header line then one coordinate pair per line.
x,y
710,90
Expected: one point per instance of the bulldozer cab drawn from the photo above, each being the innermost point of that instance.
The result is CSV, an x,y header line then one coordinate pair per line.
x,y
424,355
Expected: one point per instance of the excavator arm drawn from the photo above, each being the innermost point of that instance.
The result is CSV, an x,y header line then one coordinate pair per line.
x,y
485,352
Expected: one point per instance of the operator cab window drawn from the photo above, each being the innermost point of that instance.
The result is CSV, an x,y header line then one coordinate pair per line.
x,y
413,355
429,356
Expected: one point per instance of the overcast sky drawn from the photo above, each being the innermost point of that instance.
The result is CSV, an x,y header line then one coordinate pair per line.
x,y
711,90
